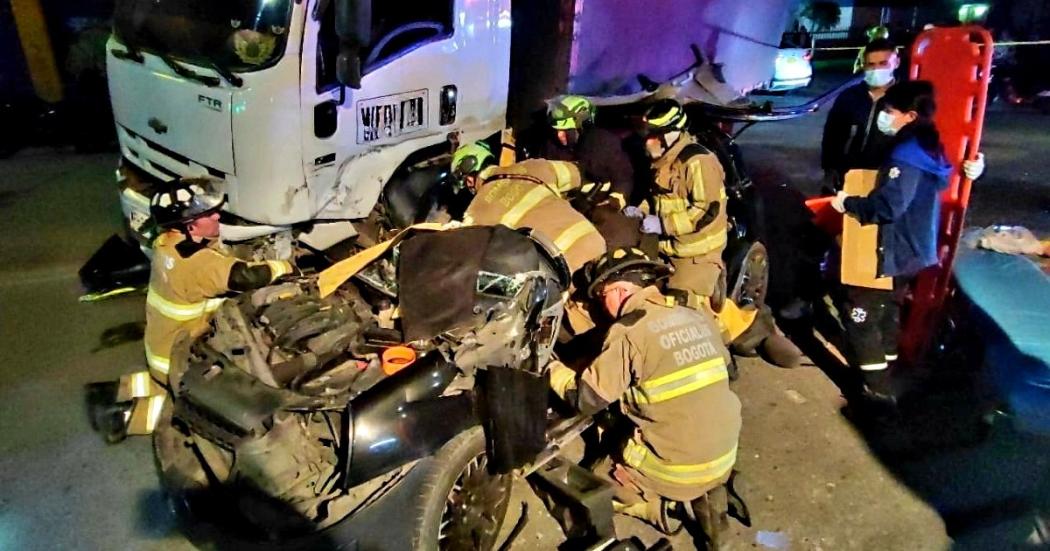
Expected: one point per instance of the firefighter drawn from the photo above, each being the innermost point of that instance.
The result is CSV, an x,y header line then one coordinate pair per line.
x,y
532,194
688,205
667,367
189,276
688,214
599,153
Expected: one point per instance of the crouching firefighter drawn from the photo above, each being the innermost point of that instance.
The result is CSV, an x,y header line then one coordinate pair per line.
x,y
533,194
189,276
668,368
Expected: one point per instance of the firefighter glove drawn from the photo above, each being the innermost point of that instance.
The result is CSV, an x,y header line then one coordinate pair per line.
x,y
652,224
563,379
632,211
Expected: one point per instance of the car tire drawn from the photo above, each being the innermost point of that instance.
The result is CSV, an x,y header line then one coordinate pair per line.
x,y
749,274
457,476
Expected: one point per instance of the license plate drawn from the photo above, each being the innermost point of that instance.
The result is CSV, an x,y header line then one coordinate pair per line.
x,y
388,117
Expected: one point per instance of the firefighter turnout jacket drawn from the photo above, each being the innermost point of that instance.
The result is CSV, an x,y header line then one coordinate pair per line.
x,y
689,196
668,368
187,280
531,194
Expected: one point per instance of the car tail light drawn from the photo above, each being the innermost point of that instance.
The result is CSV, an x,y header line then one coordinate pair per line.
x,y
808,55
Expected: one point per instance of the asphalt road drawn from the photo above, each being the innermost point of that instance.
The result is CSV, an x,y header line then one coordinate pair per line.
x,y
813,476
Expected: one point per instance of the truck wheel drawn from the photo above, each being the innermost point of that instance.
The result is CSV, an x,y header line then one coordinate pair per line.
x,y
749,275
461,505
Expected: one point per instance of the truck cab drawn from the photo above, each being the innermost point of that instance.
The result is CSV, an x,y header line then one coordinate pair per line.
x,y
302,119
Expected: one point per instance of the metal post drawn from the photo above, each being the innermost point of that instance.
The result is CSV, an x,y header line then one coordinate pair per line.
x,y
36,46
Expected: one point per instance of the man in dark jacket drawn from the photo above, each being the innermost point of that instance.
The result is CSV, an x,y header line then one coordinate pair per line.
x,y
851,138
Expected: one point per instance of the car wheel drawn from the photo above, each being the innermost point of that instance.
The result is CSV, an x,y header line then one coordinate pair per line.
x,y
461,504
749,275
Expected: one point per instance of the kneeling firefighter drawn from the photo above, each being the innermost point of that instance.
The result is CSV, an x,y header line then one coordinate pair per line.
x,y
688,214
190,274
667,367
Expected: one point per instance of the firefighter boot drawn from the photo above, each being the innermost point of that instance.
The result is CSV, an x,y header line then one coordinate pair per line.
x,y
711,512
764,338
780,351
108,417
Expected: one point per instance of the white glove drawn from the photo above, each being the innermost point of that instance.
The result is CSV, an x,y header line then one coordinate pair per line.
x,y
632,211
839,202
975,168
652,224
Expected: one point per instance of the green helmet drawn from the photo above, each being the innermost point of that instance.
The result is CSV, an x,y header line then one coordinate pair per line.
x,y
877,32
471,158
665,116
569,112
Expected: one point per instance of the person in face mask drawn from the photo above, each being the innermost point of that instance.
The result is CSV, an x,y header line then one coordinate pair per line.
x,y
851,137
906,207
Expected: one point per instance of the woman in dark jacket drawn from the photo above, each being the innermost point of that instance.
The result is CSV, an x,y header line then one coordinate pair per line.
x,y
906,206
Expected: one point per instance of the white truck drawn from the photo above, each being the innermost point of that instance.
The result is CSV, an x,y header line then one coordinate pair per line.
x,y
308,109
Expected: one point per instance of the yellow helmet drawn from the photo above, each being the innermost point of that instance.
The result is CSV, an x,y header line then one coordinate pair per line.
x,y
666,115
569,112
471,158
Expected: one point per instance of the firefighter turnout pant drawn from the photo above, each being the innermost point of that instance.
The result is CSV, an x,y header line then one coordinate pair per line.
x,y
148,400
701,278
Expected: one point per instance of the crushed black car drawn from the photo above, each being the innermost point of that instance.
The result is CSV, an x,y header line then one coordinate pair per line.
x,y
286,430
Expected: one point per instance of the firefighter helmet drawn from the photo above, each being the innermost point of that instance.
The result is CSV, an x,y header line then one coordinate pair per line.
x,y
471,158
626,263
664,116
185,200
569,112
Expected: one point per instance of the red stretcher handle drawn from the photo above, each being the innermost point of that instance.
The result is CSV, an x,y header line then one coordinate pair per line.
x,y
957,60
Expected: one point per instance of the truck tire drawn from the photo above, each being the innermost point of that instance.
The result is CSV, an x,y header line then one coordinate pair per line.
x,y
749,274
460,504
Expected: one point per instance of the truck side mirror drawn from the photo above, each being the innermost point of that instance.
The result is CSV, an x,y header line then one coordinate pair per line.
x,y
353,26
348,67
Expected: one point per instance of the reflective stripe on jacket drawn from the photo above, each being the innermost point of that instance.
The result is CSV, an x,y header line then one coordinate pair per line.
x,y
717,470
525,195
690,199
183,292
667,367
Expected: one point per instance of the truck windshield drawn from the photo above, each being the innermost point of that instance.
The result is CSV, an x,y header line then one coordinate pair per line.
x,y
237,35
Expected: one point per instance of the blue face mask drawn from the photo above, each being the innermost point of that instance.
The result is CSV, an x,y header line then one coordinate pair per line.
x,y
885,123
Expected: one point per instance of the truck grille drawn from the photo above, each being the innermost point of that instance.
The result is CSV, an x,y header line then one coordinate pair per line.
x,y
159,161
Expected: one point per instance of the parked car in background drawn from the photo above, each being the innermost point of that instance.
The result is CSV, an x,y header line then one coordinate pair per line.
x,y
792,70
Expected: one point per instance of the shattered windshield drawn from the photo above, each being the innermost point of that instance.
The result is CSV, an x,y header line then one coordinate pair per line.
x,y
498,285
238,35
